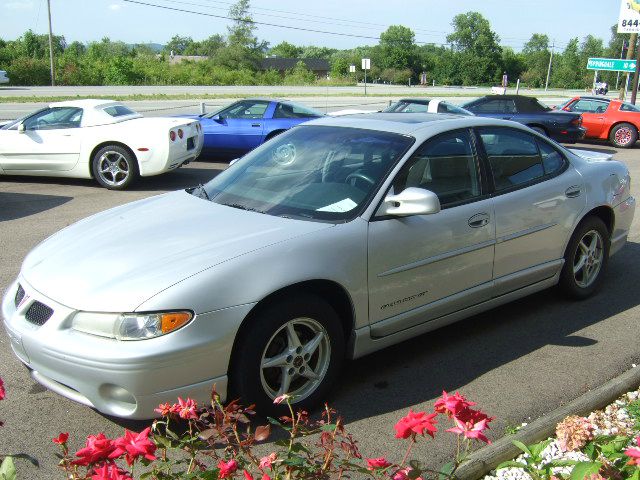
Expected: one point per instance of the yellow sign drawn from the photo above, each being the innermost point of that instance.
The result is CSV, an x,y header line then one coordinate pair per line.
x,y
629,19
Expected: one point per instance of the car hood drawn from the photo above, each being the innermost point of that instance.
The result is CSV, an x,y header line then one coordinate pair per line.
x,y
116,260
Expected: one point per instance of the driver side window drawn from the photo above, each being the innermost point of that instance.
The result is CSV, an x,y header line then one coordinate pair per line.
x,y
247,109
54,118
445,165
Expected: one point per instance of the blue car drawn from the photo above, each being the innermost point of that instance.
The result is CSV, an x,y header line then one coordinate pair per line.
x,y
243,125
555,124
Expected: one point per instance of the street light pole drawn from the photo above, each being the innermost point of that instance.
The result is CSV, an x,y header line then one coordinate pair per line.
x,y
53,75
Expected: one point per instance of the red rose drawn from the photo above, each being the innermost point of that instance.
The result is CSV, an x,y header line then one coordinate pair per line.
x,y
98,448
374,463
61,439
416,423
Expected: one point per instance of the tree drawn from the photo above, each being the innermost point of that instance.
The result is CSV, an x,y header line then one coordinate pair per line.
x,y
178,45
397,47
243,49
568,69
536,56
286,50
481,55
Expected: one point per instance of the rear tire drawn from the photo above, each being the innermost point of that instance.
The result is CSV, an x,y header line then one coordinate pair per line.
x,y
586,259
293,346
623,135
114,167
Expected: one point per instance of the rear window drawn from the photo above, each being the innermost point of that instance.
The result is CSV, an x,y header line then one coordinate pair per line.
x,y
119,111
627,107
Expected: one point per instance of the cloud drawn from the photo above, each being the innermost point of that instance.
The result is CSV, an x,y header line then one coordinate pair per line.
x,y
115,7
19,5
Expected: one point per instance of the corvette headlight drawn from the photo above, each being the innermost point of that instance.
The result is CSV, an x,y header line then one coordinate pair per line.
x,y
130,326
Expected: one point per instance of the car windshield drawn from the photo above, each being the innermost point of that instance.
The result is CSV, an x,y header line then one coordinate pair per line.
x,y
313,172
408,107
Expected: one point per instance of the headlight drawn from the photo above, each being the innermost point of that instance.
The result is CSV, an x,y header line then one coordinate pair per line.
x,y
130,326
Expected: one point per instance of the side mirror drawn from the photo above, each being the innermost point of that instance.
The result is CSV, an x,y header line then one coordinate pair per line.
x,y
218,119
21,128
411,201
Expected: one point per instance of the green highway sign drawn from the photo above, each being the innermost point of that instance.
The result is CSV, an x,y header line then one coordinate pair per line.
x,y
611,64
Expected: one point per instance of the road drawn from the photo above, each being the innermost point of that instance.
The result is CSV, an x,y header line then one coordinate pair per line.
x,y
325,99
518,361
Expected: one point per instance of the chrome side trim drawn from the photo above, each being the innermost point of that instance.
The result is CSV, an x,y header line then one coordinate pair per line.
x,y
364,343
522,233
438,258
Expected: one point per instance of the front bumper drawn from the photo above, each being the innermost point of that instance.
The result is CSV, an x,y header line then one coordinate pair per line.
x,y
122,378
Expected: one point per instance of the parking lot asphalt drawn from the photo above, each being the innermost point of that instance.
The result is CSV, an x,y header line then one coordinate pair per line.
x,y
518,361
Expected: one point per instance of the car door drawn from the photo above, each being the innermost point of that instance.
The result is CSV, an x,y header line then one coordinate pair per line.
x,y
237,128
422,267
538,197
593,114
50,141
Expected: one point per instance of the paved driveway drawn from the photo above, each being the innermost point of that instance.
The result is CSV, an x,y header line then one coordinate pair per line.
x,y
518,361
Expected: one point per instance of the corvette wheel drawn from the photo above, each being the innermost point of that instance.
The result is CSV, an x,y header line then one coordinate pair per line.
x,y
114,167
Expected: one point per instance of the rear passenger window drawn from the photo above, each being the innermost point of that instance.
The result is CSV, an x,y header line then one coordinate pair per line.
x,y
552,160
446,165
513,156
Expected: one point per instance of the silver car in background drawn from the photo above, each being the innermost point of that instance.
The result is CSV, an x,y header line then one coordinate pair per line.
x,y
335,239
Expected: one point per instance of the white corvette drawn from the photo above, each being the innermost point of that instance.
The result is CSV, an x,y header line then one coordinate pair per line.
x,y
98,139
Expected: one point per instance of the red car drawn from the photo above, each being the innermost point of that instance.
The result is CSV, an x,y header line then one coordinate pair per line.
x,y
607,119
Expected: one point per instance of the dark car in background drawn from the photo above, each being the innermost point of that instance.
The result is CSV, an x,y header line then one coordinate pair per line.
x,y
559,125
237,128
425,105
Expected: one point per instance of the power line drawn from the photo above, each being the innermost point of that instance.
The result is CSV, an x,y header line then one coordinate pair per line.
x,y
225,17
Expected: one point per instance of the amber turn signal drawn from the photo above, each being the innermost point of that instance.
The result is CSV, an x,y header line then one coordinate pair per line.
x,y
174,320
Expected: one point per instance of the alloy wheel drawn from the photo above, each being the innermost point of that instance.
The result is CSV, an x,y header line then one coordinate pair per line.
x,y
113,168
588,258
296,359
623,136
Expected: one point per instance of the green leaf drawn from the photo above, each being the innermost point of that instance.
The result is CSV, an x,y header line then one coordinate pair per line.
x,y
635,475
522,447
590,450
537,449
511,464
445,471
413,474
329,427
7,469
584,469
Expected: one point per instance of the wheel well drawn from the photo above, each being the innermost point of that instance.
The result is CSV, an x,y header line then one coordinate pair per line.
x,y
270,135
606,215
104,144
327,290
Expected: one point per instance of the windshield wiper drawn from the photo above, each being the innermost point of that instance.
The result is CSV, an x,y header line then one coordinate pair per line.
x,y
199,191
242,207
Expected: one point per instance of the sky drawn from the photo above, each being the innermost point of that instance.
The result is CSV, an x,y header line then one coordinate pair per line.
x,y
349,23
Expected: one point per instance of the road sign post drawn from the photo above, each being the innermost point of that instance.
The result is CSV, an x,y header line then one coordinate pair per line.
x,y
366,65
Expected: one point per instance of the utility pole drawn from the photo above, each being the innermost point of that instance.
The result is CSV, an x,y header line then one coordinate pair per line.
x,y
53,74
624,44
546,85
630,53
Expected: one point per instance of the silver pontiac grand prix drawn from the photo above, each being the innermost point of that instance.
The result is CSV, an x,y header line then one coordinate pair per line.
x,y
335,239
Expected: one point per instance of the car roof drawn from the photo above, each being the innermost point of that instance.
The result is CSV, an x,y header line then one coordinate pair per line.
x,y
423,101
93,111
414,124
602,99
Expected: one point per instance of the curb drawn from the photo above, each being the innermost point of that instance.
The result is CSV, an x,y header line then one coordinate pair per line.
x,y
486,459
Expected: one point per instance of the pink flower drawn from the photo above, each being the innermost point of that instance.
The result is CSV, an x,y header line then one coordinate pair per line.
x,y
2,392
403,475
110,471
247,475
98,448
227,468
163,409
281,398
61,439
634,454
416,423
265,462
452,404
374,463
265,477
185,408
134,445
471,428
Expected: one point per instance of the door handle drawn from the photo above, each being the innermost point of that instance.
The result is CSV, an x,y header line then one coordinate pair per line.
x,y
572,192
479,220
255,124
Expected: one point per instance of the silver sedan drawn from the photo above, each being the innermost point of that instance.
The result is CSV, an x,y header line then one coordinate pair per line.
x,y
333,240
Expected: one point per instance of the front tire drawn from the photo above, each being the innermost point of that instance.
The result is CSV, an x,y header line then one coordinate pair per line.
x,y
623,135
585,259
293,346
114,167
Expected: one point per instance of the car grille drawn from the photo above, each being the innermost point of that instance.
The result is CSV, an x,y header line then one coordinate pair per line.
x,y
38,313
19,295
